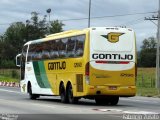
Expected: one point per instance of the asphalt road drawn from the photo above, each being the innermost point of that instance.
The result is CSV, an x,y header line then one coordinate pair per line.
x,y
15,104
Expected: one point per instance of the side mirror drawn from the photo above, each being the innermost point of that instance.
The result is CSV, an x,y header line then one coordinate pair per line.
x,y
18,60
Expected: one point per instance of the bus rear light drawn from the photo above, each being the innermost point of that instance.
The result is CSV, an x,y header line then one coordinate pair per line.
x,y
87,69
87,73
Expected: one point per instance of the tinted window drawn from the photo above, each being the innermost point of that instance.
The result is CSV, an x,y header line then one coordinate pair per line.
x,y
37,53
79,45
71,47
30,52
62,47
46,50
54,49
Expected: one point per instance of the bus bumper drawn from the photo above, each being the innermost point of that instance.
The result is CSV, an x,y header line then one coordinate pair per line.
x,y
112,90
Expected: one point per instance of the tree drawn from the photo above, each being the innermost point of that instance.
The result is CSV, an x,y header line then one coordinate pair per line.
x,y
56,26
147,56
35,28
18,33
14,38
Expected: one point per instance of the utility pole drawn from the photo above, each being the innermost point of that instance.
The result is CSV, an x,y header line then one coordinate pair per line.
x,y
89,16
152,19
158,55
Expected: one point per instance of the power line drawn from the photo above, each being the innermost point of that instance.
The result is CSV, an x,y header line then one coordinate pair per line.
x,y
99,17
132,22
152,19
118,15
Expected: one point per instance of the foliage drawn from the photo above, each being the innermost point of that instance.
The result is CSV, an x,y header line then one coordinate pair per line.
x,y
7,63
56,26
147,55
18,33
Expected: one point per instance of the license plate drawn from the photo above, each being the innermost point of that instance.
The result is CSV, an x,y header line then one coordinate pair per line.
x,y
112,87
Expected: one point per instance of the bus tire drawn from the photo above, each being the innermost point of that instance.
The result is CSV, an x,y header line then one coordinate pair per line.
x,y
102,100
62,93
114,100
71,98
31,95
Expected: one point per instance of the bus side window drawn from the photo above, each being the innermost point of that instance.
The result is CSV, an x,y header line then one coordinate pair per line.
x,y
54,49
33,51
80,45
45,50
71,47
37,52
30,52
62,47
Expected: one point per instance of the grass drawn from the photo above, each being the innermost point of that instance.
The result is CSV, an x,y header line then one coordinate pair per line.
x,y
148,92
146,77
8,79
9,75
146,82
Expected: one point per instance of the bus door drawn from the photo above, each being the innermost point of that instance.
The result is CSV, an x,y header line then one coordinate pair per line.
x,y
23,61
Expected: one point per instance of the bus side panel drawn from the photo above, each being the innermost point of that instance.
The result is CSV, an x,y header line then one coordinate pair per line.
x,y
65,71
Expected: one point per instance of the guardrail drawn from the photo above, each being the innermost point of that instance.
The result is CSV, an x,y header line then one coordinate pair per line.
x,y
9,84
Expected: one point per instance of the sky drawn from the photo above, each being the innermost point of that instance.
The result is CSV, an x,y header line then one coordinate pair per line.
x,y
67,10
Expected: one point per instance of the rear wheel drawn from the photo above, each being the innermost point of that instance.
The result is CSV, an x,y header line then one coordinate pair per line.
x,y
114,100
71,98
102,100
62,93
31,95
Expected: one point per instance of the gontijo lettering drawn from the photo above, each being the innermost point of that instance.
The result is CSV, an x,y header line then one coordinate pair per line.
x,y
112,56
57,65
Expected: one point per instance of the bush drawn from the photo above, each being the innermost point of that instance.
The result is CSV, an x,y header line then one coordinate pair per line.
x,y
15,74
7,64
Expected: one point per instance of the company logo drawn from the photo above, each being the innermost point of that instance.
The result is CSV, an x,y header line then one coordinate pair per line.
x,y
112,56
113,37
57,65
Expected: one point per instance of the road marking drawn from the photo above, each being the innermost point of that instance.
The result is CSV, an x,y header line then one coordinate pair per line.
x,y
109,110
139,112
21,103
133,100
10,91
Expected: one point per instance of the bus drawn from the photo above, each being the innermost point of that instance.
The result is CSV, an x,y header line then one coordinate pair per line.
x,y
96,63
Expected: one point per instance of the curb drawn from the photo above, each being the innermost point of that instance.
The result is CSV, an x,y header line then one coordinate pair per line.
x,y
10,84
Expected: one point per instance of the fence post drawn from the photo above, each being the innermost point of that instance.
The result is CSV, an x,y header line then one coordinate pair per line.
x,y
143,81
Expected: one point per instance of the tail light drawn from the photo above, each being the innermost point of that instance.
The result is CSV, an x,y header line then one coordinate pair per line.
x,y
87,73
87,69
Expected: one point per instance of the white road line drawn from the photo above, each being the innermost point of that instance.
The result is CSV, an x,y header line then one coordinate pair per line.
x,y
135,100
22,103
11,91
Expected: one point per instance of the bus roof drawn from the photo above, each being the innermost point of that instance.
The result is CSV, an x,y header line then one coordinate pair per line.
x,y
72,33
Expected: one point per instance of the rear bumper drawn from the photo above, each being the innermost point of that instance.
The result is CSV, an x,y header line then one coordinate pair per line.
x,y
105,90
